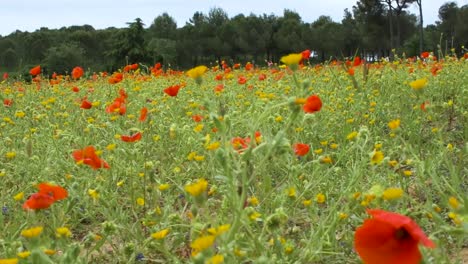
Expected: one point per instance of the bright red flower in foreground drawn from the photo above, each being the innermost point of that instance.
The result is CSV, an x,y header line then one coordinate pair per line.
x,y
241,80
38,201
133,138
143,114
172,90
118,106
77,72
5,76
301,149
56,192
89,157
389,238
313,104
47,195
425,54
36,70
85,104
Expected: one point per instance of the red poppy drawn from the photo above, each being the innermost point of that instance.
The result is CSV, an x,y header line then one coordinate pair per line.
x,y
425,54
89,157
301,149
85,104
172,90
357,61
351,71
157,66
241,80
248,66
39,201
262,77
305,54
197,118
219,77
143,114
388,238
236,66
313,104
54,75
7,102
118,106
36,70
423,106
116,78
56,192
5,76
219,87
77,72
240,144
133,138
465,56
75,89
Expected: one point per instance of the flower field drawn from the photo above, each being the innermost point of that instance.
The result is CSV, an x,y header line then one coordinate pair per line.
x,y
343,162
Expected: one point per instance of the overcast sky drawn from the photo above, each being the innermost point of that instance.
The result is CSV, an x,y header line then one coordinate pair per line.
x,y
29,15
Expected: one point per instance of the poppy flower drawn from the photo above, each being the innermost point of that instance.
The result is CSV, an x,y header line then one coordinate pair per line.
x,y
77,72
36,70
357,61
7,102
219,87
425,54
301,149
262,77
118,106
305,54
197,118
240,144
89,157
172,90
313,104
143,114
5,76
39,201
56,192
219,77
75,89
116,78
388,238
132,138
241,80
248,66
85,104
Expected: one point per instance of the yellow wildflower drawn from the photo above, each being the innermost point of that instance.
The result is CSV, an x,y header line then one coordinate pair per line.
x,y
50,252
216,259
292,192
254,216
197,188
213,146
307,202
197,72
163,187
23,254
418,84
10,155
9,261
320,198
140,201
392,193
160,234
394,124
63,232
19,196
292,59
407,173
352,135
93,193
32,232
342,216
253,201
377,157
201,244
453,202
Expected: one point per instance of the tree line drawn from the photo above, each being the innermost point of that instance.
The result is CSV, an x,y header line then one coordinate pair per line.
x,y
372,29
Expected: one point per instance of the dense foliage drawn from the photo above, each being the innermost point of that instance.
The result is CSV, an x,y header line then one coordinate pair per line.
x,y
372,29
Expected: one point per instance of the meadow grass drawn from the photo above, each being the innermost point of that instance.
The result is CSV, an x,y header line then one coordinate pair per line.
x,y
375,143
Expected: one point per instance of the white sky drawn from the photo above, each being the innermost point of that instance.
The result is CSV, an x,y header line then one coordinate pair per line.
x,y
29,15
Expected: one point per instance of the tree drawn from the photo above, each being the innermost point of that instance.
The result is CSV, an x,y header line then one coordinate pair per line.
x,y
63,58
421,28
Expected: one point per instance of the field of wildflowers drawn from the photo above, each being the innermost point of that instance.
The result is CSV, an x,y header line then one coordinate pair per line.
x,y
342,162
